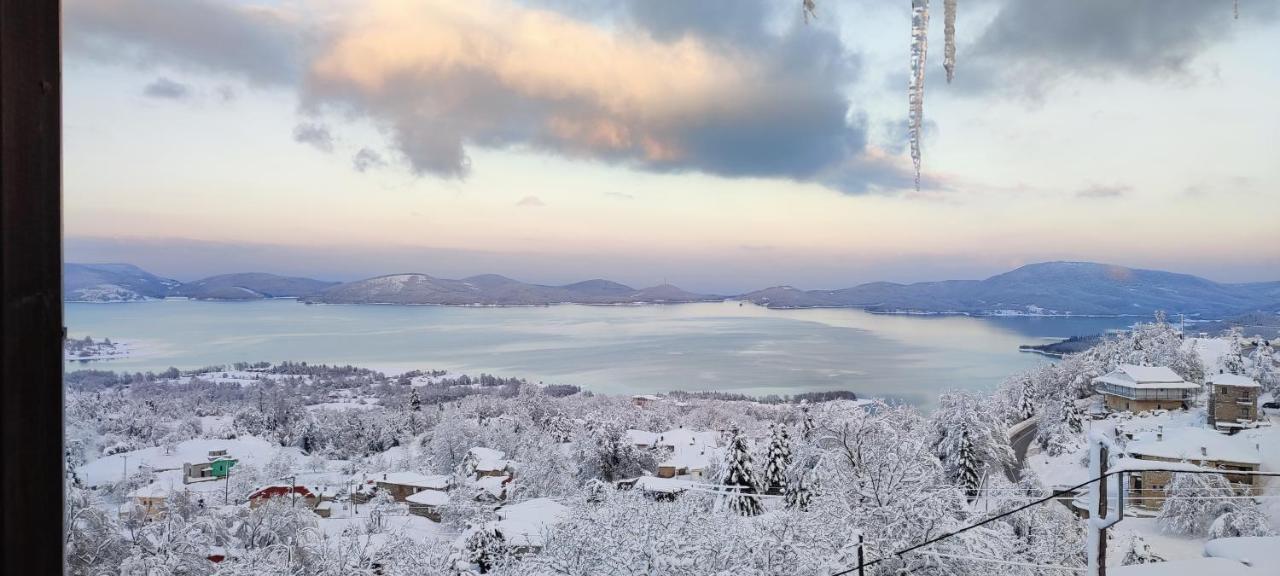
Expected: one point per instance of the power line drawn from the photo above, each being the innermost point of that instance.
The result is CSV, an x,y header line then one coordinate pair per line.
x,y
1055,495
1003,562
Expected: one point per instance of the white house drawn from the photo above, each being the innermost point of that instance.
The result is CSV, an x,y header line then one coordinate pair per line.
x,y
1143,388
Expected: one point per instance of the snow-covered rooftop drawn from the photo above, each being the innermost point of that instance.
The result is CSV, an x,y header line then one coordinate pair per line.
x,y
492,485
663,485
1232,380
1197,567
526,523
429,498
1194,444
1258,551
1131,376
433,482
488,459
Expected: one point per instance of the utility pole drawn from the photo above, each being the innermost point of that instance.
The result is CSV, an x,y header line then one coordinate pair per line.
x,y
226,487
862,569
1107,500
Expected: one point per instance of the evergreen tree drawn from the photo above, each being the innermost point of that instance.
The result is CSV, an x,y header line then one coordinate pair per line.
x,y
806,423
778,460
799,492
415,403
1233,361
739,478
967,467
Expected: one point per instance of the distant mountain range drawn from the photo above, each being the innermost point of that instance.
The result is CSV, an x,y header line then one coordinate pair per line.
x,y
1051,288
494,290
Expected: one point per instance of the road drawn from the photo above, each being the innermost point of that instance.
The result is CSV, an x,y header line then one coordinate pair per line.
x,y
1020,437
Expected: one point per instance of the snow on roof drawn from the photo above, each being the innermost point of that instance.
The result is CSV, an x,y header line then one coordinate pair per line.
x,y
646,397
1196,567
488,459
641,437
492,485
434,482
429,498
1131,376
155,489
1251,551
1185,443
663,485
1232,380
526,523
685,437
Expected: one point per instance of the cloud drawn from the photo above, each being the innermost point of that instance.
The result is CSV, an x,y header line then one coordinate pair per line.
x,y
447,76
720,87
531,202
1032,44
259,44
315,134
167,89
1099,191
366,160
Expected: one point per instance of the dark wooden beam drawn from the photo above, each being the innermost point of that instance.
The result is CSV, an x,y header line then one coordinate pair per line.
x,y
31,452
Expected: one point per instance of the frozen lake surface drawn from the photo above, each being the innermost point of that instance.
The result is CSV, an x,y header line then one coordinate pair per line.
x,y
612,349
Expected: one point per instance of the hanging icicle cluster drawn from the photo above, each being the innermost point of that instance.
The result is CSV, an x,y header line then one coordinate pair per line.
x,y
915,88
949,48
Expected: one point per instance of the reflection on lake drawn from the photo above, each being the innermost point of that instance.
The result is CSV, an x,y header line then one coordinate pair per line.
x,y
613,349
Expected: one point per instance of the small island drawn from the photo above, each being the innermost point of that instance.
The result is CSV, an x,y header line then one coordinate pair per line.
x,y
87,349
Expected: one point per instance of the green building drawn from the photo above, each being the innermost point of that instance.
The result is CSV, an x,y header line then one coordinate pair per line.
x,y
222,466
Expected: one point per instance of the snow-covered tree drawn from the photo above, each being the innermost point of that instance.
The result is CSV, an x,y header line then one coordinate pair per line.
x,y
1137,551
1232,361
1264,368
1244,520
967,440
777,459
739,478
1193,501
1059,428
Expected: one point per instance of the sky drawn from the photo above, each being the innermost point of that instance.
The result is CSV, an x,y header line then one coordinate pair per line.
x,y
721,145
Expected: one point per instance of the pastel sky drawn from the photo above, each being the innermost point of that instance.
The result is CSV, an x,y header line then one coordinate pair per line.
x,y
721,145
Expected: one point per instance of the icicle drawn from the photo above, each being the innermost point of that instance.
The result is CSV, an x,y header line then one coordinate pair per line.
x,y
1235,8
810,9
915,89
949,49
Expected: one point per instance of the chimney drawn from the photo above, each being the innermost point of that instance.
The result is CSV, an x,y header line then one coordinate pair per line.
x,y
1204,451
1160,434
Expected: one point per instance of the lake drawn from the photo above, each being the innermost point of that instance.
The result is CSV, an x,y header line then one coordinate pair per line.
x,y
611,349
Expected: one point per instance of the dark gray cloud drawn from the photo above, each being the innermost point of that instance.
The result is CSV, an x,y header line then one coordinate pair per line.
x,y
1101,191
1032,44
367,159
736,21
314,134
252,42
167,89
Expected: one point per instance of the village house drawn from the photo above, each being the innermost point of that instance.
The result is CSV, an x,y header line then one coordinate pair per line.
x,y
402,485
1233,402
218,466
302,496
1200,446
1144,388
642,400
427,503
150,499
691,451
484,462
